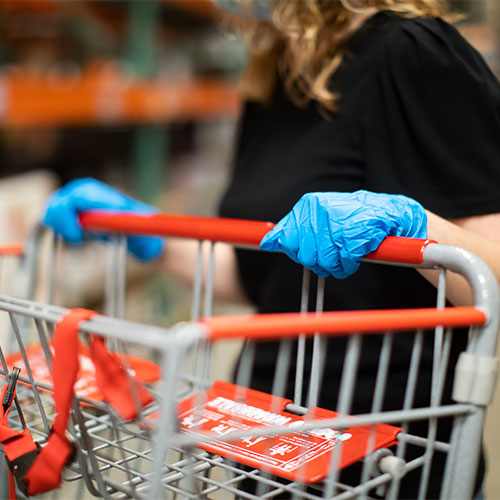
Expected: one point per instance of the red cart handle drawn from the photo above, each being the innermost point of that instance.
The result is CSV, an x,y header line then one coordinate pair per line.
x,y
243,232
237,231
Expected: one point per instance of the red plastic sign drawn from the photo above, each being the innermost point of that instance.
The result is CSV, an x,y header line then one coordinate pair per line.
x,y
85,386
300,456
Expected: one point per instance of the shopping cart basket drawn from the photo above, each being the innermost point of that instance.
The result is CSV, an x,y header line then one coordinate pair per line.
x,y
197,438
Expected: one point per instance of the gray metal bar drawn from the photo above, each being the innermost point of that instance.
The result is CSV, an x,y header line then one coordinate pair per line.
x,y
16,400
196,304
459,480
121,281
344,402
51,267
282,367
245,365
36,395
378,397
301,343
436,396
483,283
411,383
90,453
209,284
209,295
167,421
26,280
43,342
110,298
115,277
125,331
198,278
319,348
437,364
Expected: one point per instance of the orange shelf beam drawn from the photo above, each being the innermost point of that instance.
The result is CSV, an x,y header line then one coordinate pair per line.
x,y
107,97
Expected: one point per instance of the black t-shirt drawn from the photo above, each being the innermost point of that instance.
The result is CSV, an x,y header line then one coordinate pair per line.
x,y
419,115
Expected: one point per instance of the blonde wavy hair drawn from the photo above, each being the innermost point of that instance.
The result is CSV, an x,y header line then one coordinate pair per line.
x,y
305,42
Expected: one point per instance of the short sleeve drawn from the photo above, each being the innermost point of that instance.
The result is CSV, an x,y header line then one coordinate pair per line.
x,y
433,129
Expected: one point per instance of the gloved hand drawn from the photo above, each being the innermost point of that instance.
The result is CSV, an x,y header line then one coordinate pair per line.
x,y
61,213
330,233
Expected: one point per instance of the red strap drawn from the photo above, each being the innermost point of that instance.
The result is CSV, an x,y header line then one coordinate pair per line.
x,y
111,378
15,443
118,388
65,365
45,474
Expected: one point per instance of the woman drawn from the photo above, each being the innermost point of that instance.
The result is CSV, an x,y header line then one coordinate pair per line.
x,y
377,95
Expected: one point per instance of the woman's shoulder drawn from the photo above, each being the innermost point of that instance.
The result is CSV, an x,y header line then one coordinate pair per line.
x,y
395,27
423,43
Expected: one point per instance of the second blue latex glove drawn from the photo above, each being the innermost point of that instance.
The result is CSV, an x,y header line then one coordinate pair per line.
x,y
330,233
63,206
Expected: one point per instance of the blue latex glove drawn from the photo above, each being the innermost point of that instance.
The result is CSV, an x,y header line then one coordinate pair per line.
x,y
330,233
61,213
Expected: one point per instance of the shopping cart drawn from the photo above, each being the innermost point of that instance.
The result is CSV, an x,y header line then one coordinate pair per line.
x,y
189,436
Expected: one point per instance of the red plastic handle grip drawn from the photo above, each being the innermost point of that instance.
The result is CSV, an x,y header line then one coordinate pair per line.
x,y
15,249
400,249
275,326
243,232
237,231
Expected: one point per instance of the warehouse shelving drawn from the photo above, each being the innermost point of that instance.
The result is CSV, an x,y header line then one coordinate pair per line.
x,y
122,89
107,95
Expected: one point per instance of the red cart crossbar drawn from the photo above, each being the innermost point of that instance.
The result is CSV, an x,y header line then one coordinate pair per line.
x,y
236,231
269,326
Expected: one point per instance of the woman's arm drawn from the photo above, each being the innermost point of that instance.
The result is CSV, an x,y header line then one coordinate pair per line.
x,y
479,235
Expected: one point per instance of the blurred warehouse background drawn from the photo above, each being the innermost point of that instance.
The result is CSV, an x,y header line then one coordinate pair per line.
x,y
141,94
